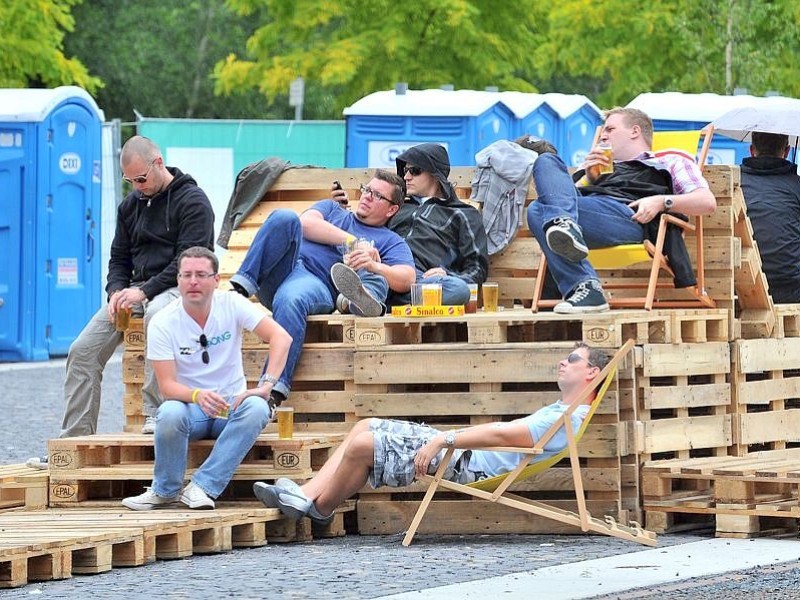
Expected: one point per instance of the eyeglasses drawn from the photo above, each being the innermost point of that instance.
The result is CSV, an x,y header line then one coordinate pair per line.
x,y
366,190
141,178
204,346
415,171
575,357
200,275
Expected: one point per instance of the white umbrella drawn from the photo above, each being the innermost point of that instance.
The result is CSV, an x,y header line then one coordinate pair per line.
x,y
770,115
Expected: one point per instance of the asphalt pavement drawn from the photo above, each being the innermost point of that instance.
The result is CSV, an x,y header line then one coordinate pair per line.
x,y
367,566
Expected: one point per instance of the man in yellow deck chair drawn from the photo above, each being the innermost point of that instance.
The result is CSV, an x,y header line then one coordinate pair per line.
x,y
609,209
393,453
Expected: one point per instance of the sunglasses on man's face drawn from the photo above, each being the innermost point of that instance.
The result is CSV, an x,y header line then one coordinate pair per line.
x,y
415,171
575,357
204,346
140,179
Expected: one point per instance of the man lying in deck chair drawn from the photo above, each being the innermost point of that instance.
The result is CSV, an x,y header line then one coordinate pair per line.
x,y
393,453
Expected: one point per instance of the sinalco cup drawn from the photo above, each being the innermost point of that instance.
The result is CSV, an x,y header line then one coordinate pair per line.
x,y
122,319
472,303
285,417
491,296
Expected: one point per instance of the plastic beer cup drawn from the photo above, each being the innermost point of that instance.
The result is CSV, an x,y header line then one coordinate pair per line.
x,y
491,296
285,422
122,319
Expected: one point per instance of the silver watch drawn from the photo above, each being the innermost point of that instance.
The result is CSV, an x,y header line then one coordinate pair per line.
x,y
450,439
267,378
668,203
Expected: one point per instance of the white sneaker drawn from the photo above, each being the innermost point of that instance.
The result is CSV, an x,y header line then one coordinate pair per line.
x,y
194,497
38,462
148,501
149,427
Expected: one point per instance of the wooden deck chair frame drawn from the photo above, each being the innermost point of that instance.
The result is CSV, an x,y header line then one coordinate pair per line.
x,y
629,254
495,489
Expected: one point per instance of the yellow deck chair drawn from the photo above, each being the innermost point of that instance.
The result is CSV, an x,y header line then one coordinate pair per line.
x,y
495,489
618,257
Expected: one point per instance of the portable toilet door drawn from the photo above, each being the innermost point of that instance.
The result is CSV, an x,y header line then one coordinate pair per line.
x,y
533,116
70,171
16,275
579,120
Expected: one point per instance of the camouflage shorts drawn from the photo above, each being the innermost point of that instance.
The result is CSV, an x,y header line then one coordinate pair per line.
x,y
396,445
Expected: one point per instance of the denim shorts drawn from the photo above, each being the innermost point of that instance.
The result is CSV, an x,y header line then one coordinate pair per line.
x,y
397,443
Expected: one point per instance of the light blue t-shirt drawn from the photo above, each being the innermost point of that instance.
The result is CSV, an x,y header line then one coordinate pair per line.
x,y
496,463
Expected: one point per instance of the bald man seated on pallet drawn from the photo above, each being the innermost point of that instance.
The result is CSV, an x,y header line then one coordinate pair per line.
x,y
392,453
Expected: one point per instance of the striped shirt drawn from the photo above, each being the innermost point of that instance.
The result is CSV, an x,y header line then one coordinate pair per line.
x,y
686,175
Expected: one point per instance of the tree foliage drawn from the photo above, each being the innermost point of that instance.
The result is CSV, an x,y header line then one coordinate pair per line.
x,y
157,57
32,34
352,47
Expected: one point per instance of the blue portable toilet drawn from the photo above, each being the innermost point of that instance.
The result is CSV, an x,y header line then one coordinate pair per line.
x,y
579,118
383,124
533,116
50,149
676,111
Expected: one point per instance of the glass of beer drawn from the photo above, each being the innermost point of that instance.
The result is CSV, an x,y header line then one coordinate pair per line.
x,y
608,151
285,422
122,319
491,296
431,294
225,412
472,304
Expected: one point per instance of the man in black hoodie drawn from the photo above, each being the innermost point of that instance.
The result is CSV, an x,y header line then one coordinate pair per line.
x,y
445,234
165,214
771,190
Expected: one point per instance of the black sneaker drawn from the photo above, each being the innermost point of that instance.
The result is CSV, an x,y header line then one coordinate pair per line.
x,y
566,239
538,145
587,297
360,301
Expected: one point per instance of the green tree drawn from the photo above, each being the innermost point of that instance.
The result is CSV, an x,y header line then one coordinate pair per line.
x,y
346,49
157,58
32,34
625,47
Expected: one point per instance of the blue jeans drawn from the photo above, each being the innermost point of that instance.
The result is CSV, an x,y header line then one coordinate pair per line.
x,y
179,422
273,270
605,220
454,290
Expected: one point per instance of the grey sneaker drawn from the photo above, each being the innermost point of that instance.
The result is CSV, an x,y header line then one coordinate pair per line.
x,y
194,497
587,297
342,305
360,300
149,501
149,427
318,517
38,462
566,239
293,505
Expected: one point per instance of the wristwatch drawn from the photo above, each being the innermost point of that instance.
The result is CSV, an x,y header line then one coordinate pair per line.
x,y
668,203
269,379
450,439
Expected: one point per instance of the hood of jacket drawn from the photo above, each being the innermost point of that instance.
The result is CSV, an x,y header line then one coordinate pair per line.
x,y
767,165
432,158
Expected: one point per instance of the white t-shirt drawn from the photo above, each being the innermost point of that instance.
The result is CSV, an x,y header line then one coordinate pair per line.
x,y
174,335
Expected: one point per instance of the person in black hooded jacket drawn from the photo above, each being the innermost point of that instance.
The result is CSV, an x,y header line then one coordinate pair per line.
x,y
771,189
165,214
445,234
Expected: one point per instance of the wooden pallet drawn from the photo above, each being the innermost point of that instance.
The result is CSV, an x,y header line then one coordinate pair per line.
x,y
749,496
22,486
57,543
102,469
765,394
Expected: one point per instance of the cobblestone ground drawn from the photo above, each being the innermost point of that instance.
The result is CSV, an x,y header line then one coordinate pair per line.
x,y
349,567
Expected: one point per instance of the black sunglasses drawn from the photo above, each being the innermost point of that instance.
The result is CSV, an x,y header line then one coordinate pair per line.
x,y
204,345
415,171
575,357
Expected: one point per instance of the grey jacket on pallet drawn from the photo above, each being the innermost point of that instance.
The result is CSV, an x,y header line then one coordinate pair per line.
x,y
501,186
